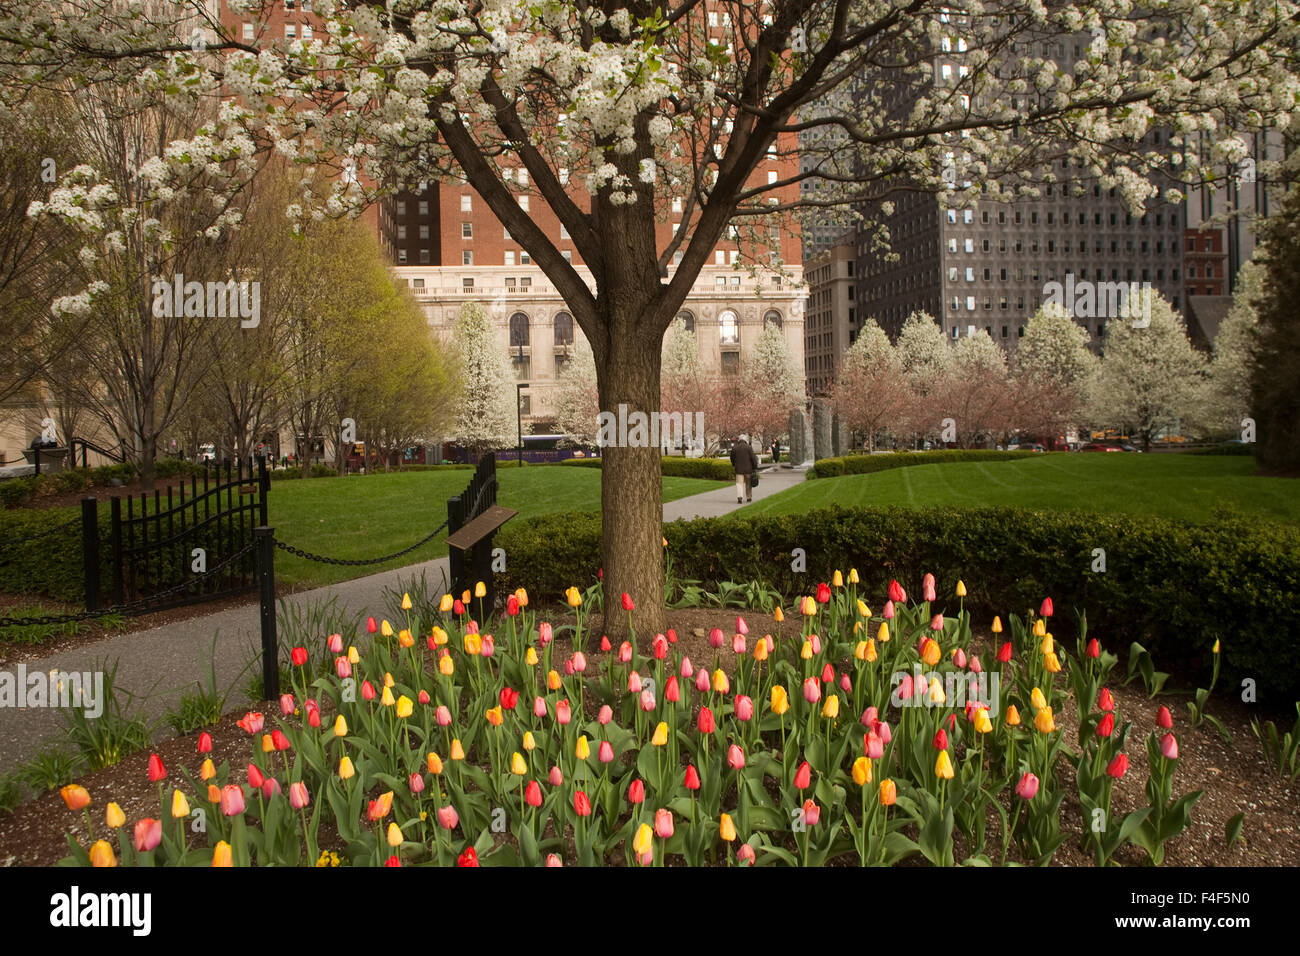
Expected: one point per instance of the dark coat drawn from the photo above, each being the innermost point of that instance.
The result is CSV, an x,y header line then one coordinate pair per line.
x,y
743,458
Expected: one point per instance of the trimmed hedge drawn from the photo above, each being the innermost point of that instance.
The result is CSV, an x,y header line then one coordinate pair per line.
x,y
717,469
1243,449
16,492
866,464
1173,587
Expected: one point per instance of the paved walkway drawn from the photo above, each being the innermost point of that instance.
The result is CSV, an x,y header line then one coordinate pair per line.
x,y
160,664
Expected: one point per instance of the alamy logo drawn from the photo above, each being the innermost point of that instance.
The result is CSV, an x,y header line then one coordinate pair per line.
x,y
1101,300
651,430
54,688
208,300
76,909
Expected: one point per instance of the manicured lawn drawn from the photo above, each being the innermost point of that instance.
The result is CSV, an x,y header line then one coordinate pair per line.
x,y
1185,487
367,516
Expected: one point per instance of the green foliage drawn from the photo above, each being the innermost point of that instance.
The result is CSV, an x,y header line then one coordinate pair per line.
x,y
115,733
1169,584
1280,750
51,768
1242,449
867,464
716,469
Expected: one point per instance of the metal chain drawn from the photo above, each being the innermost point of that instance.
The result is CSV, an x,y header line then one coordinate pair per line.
x,y
40,534
130,607
356,562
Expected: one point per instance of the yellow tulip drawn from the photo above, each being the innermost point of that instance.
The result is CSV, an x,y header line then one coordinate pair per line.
x,y
806,652
457,751
405,706
760,650
207,771
644,840
518,766
113,816
439,635
446,667
394,835
346,770
862,771
943,766
494,715
386,629
180,806
727,829
573,597
860,650
780,700
521,595
853,575
720,683
340,726
663,541
221,855
937,696
473,644
1215,649
388,700
101,854
583,750
480,590
530,656
1040,628
1036,698
1051,663
961,589
1044,722
997,625
553,680
405,639
930,652
388,679
871,651
809,606
778,615
982,723
447,603
406,601
353,656
857,627
1047,645
837,579
1013,716
434,763
831,706
530,742
882,633
863,609
660,737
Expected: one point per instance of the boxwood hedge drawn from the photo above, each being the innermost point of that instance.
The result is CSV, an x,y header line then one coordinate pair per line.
x,y
1172,586
718,469
865,464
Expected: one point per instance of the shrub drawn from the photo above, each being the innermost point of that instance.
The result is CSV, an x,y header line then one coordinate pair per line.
x,y
717,469
1174,587
867,464
1235,448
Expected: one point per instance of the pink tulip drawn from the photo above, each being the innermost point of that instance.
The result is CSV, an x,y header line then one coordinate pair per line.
x,y
647,700
367,690
335,643
489,646
741,626
148,834
544,634
232,800
663,824
416,782
659,647
539,707
1027,787
287,706
905,687
553,859
870,716
846,685
744,707
875,747
702,680
471,627
447,817
580,662
888,612
975,666
812,690
686,669
568,667
745,855
634,683
811,813
556,778
604,716
816,643
563,711
936,623
625,653
959,658
299,797
606,752
1169,747
716,637
270,788
735,757
885,733
443,716
343,667
738,643
927,587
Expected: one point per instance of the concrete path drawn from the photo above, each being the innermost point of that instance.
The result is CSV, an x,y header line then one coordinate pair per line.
x,y
158,665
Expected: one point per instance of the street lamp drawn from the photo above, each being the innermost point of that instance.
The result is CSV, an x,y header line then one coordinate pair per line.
x,y
519,418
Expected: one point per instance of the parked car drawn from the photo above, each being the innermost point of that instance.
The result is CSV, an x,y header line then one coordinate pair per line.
x,y
1100,446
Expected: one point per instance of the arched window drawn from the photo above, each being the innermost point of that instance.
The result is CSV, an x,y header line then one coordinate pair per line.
x,y
773,317
689,318
728,328
518,330
563,328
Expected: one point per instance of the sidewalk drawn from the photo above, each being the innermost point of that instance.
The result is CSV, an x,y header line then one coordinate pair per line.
x,y
158,665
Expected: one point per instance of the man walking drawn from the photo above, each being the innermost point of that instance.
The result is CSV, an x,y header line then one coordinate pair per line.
x,y
745,462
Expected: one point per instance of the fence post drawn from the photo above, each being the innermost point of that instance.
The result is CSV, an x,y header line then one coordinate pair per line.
x,y
266,579
90,550
455,519
263,486
115,540
36,460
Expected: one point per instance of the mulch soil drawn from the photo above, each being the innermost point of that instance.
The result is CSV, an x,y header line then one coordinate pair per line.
x,y
1235,777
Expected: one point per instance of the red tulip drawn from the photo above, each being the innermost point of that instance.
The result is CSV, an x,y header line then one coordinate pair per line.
x,y
367,690
205,743
660,647
255,776
299,796
1169,747
705,722
636,792
299,656
1004,653
457,608
896,592
627,602
823,592
512,606
605,645
313,712
1046,609
148,834
581,805
395,860
692,778
1118,767
803,776
279,740
1164,718
1027,787
672,693
1094,649
1107,726
251,723
735,757
828,674
533,794
423,697
508,697
940,740
156,769
672,636
1105,701
468,858
371,626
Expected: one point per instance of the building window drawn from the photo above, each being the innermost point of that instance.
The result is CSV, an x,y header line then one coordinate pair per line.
x,y
688,318
728,328
425,258
424,232
518,330
563,328
417,283
401,208
467,284
525,259
466,202
510,258
424,207
290,31
773,317
401,255
401,232
248,31
306,31
467,257
730,363
523,203
466,230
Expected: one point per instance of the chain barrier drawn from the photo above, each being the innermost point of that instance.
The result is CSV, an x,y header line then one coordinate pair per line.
x,y
357,562
139,604
40,534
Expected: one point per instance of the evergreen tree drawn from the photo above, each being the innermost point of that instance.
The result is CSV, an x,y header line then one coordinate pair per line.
x,y
1275,394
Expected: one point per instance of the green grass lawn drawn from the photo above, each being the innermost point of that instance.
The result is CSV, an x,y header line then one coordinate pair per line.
x,y
364,517
1185,487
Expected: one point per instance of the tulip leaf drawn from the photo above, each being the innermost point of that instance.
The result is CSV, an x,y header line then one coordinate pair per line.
x,y
1232,832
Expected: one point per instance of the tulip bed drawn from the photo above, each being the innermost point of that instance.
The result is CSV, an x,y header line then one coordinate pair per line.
x,y
848,737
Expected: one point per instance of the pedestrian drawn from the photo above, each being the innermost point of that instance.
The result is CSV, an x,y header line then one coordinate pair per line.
x,y
776,451
745,462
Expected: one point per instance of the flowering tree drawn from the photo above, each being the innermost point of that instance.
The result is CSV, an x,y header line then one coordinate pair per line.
x,y
972,390
577,405
871,394
1233,366
614,108
773,382
487,415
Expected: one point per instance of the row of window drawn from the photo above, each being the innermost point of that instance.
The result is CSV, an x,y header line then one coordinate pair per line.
x,y
968,245
1003,303
290,29
967,218
1033,273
